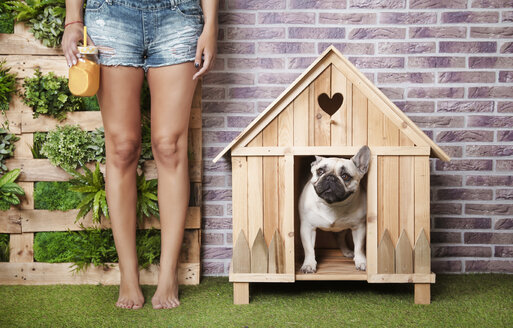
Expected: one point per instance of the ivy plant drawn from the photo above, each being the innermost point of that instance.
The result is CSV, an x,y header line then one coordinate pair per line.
x,y
7,146
8,85
45,18
9,190
49,95
68,146
92,186
97,145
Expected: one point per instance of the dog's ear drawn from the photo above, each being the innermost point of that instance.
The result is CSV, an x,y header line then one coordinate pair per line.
x,y
361,159
317,160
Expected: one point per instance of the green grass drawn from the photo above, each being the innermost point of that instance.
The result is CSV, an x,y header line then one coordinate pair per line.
x,y
457,301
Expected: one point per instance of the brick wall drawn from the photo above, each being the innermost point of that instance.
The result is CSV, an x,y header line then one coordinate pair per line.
x,y
448,64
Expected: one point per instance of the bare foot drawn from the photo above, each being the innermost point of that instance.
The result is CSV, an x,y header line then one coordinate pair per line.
x,y
166,295
130,295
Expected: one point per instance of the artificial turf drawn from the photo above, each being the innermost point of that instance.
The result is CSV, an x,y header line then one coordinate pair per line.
x,y
479,300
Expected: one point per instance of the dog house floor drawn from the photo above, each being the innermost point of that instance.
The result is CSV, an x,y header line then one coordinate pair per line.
x,y
331,265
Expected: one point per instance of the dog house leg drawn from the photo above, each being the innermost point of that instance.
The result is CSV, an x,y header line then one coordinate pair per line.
x,y
422,293
241,293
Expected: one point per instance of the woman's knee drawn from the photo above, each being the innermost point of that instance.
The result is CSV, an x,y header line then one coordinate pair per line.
x,y
170,150
125,152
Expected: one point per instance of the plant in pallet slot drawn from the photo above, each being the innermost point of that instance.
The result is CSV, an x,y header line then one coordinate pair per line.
x,y
147,204
9,190
49,95
8,85
45,18
92,186
6,18
4,247
7,140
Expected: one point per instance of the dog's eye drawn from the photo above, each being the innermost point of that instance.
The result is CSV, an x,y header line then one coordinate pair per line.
x,y
320,171
346,177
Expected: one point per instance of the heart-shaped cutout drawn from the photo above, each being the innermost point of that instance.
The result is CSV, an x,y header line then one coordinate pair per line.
x,y
330,105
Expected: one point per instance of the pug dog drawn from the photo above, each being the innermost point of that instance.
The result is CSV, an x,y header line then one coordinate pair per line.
x,y
332,200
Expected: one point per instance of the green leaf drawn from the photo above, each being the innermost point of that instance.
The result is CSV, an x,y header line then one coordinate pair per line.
x,y
96,207
9,176
84,189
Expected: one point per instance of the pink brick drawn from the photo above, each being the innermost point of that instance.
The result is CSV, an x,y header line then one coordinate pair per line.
x,y
505,135
239,121
445,209
439,122
408,18
490,92
377,33
429,4
465,106
211,238
286,47
219,136
317,4
212,93
436,62
277,78
228,107
507,16
504,194
406,47
212,268
286,18
300,62
343,18
255,33
438,32
393,93
507,48
470,17
217,223
464,136
377,62
503,251
489,266
452,151
227,18
462,223
489,209
258,5
430,92
208,122
229,78
492,4
316,32
446,180
490,62
506,76
488,151
505,106
235,48
490,121
504,165
416,106
491,32
465,165
466,47
357,48
488,238
405,77
462,251
466,77
490,181
258,63
503,224
255,92
445,237
446,266
387,4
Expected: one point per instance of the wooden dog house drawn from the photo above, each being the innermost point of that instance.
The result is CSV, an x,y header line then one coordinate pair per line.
x,y
331,109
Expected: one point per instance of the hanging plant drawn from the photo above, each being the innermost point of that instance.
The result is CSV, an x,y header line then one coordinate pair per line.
x,y
49,95
8,85
9,190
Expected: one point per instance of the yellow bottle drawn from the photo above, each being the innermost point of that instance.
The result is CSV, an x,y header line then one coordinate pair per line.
x,y
84,76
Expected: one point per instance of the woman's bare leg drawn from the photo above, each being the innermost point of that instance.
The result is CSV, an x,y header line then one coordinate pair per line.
x,y
119,99
172,89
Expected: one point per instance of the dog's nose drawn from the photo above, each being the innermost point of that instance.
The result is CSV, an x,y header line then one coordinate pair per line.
x,y
331,178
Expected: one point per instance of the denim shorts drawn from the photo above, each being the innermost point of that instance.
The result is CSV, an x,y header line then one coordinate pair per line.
x,y
144,33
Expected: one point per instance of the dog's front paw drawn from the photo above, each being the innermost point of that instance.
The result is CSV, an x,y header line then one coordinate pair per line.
x,y
348,253
310,267
360,264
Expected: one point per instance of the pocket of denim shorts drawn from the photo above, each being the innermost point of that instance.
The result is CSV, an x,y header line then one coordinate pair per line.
x,y
190,9
94,5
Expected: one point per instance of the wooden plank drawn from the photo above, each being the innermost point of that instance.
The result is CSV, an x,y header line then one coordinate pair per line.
x,y
270,182
240,293
328,150
390,133
375,133
21,247
349,111
372,217
403,255
10,221
422,203
25,66
22,150
390,197
422,258
14,119
255,193
240,195
332,265
287,223
301,118
320,119
381,192
23,42
386,254
407,196
286,126
422,294
46,220
38,273
403,278
276,254
360,120
190,250
259,254
340,127
241,258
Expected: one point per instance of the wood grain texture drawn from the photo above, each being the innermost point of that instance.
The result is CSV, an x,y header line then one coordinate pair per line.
x,y
276,254
301,118
386,254
340,125
321,120
241,258
403,255
422,258
259,254
255,193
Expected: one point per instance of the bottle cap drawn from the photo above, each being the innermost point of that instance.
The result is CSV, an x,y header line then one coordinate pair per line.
x,y
88,50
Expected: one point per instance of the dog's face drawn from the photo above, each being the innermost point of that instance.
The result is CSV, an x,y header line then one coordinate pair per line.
x,y
336,179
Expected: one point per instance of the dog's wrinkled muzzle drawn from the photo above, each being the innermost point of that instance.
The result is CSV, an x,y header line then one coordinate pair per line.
x,y
331,189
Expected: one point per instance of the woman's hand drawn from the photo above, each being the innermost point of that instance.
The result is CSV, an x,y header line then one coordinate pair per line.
x,y
207,46
72,35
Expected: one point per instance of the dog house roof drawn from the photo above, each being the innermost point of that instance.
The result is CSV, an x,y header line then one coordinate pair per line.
x,y
332,56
